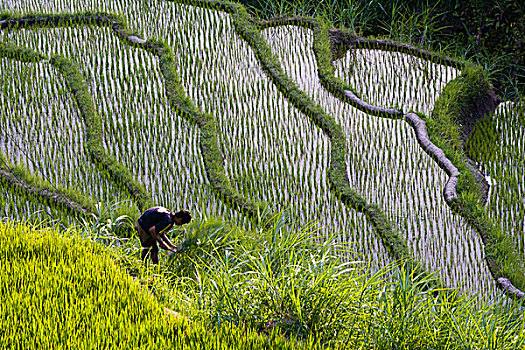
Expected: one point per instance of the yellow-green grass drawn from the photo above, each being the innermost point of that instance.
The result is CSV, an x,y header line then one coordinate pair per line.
x,y
60,291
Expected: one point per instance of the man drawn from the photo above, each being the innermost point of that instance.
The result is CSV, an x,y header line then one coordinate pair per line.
x,y
152,226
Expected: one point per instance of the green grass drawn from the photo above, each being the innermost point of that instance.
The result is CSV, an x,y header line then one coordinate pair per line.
x,y
60,291
262,290
283,279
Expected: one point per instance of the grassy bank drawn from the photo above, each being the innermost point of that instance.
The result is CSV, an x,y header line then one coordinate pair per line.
x,y
235,289
285,280
59,291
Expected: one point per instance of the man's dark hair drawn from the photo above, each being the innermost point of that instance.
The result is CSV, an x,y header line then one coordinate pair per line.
x,y
185,215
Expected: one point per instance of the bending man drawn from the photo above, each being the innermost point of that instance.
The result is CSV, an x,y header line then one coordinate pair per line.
x,y
151,227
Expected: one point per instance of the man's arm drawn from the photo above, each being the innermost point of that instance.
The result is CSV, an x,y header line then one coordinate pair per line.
x,y
159,239
168,242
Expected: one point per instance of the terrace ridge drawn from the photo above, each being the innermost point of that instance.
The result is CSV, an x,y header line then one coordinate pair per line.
x,y
341,40
52,197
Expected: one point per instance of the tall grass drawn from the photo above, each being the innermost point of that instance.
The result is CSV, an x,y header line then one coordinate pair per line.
x,y
396,19
280,281
286,279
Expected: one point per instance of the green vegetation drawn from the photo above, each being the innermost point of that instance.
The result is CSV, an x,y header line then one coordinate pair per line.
x,y
59,290
496,144
238,283
489,33
337,172
290,282
235,117
280,281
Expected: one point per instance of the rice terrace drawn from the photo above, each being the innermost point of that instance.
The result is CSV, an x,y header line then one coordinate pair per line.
x,y
349,186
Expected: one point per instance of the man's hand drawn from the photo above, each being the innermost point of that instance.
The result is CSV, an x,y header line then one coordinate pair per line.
x,y
172,249
166,246
163,245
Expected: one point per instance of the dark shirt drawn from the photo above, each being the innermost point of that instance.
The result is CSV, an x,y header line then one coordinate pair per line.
x,y
157,216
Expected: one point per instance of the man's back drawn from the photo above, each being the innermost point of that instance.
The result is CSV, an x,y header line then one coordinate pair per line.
x,y
156,216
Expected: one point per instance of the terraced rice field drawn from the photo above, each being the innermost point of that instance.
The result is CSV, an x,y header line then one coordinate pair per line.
x,y
387,79
387,166
42,131
271,150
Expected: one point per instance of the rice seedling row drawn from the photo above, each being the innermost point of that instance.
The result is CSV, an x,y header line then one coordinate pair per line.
x,y
15,204
386,164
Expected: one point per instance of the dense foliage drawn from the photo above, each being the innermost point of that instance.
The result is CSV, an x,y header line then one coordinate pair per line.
x,y
489,32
